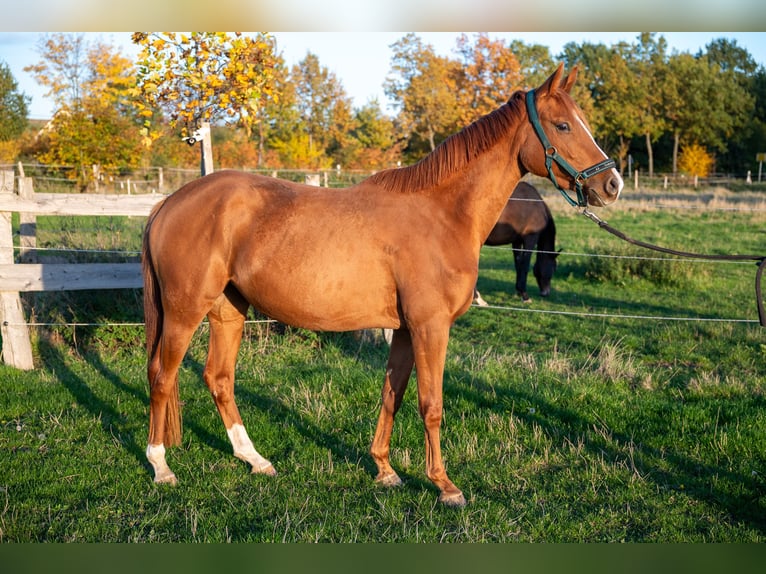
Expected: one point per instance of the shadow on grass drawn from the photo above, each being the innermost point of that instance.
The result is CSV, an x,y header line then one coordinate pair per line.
x,y
111,420
688,476
280,413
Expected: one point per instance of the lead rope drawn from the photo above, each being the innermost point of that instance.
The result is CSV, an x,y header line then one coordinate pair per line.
x,y
761,259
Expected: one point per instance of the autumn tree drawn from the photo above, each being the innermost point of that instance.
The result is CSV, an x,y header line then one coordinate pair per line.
x,y
375,134
276,116
487,76
203,77
325,109
695,160
93,123
422,86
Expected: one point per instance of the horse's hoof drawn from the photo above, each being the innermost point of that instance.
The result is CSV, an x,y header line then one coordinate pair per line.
x,y
267,470
166,479
452,499
388,480
525,298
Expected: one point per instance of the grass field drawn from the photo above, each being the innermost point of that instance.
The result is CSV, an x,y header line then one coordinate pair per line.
x,y
599,414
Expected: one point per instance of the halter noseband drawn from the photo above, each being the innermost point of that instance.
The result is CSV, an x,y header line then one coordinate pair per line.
x,y
552,154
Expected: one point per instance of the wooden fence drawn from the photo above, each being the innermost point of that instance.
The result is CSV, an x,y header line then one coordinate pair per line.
x,y
17,196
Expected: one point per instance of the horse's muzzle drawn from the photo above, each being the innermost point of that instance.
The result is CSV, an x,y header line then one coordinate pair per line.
x,y
607,192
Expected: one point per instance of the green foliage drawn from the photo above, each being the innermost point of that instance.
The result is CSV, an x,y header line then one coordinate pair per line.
x,y
13,106
92,135
298,150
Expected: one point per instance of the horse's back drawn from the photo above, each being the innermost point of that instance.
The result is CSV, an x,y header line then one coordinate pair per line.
x,y
308,256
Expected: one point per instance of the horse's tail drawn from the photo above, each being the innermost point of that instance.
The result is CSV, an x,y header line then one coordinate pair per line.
x,y
153,318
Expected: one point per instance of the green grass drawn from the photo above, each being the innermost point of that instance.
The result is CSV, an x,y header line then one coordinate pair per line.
x,y
558,427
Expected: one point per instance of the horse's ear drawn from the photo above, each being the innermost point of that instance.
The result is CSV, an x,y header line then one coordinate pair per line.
x,y
552,83
569,80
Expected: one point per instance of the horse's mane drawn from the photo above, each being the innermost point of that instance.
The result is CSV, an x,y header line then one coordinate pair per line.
x,y
456,151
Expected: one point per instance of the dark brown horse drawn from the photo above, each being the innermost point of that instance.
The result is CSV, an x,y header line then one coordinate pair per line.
x,y
526,223
399,250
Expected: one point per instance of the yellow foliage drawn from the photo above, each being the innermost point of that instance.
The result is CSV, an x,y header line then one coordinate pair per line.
x,y
9,151
695,160
205,76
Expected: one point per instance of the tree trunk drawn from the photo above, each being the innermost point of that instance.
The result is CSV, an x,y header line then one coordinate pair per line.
x,y
676,137
650,153
431,138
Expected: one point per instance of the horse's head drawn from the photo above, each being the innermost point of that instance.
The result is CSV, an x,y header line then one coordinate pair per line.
x,y
558,144
544,268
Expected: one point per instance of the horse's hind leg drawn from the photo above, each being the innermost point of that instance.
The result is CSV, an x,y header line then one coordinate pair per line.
x,y
227,319
398,371
164,411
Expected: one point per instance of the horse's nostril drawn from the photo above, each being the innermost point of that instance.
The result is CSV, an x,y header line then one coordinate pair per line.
x,y
614,185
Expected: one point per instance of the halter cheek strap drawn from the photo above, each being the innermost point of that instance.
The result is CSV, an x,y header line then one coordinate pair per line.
x,y
552,155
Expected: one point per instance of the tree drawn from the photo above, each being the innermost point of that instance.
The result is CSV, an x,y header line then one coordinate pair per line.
x,y
14,106
203,77
324,107
93,122
738,65
92,135
535,62
487,76
603,91
422,86
730,57
694,160
62,68
703,105
375,134
648,66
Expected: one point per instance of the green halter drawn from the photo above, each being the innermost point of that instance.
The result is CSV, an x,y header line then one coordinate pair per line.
x,y
552,154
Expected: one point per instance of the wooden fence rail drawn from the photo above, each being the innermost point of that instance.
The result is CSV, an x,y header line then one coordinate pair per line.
x,y
21,277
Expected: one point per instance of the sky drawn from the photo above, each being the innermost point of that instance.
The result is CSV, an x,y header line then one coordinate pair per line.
x,y
360,60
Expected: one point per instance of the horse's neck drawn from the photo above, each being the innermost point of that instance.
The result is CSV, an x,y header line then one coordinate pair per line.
x,y
483,191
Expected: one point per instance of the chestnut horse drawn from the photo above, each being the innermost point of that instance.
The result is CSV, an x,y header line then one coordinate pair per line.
x,y
399,250
526,223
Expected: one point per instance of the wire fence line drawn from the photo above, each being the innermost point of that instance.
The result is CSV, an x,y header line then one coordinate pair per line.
x,y
136,253
614,315
124,324
584,314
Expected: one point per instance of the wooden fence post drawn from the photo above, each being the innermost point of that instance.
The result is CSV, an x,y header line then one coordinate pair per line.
x,y
27,223
17,348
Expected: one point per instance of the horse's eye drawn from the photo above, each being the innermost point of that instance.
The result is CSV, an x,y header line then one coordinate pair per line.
x,y
563,127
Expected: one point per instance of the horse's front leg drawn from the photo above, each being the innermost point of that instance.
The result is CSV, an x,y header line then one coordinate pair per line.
x,y
398,371
522,255
227,319
430,347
